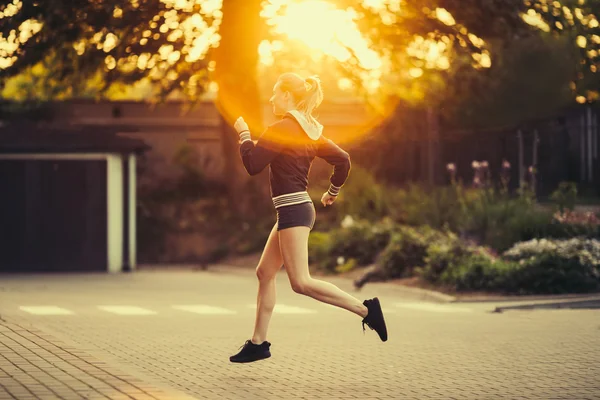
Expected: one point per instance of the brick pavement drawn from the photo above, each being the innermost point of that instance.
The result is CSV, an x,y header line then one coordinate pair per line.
x,y
35,365
434,352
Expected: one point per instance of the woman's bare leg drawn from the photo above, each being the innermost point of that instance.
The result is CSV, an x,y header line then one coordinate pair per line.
x,y
294,250
268,266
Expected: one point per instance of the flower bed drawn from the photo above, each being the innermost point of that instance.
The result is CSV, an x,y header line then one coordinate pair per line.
x,y
442,258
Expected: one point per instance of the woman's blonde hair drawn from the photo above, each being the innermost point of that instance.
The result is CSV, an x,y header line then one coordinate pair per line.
x,y
307,93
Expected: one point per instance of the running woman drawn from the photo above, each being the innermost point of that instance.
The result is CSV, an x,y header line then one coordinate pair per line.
x,y
288,147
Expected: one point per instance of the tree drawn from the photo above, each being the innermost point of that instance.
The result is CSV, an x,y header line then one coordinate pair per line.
x,y
183,45
170,43
236,61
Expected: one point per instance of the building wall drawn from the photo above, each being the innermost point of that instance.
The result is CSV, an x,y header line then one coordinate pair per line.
x,y
169,127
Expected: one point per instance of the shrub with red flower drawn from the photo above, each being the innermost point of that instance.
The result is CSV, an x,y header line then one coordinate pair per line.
x,y
577,218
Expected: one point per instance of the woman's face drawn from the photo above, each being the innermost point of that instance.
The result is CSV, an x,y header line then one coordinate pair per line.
x,y
280,101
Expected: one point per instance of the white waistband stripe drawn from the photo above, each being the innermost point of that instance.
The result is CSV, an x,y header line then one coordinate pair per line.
x,y
291,199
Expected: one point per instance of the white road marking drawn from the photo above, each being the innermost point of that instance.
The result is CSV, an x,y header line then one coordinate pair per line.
x,y
284,309
46,310
444,308
204,309
127,310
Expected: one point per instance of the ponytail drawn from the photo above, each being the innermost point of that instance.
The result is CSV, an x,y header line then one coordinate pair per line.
x,y
313,96
308,92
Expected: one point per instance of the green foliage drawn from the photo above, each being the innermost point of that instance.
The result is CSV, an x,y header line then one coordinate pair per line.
x,y
463,267
364,198
498,220
487,220
477,99
360,242
478,272
81,36
565,196
440,256
439,207
319,250
347,266
532,267
555,266
488,216
561,228
407,249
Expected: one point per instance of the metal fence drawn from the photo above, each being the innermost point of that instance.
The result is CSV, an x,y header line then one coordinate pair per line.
x,y
541,153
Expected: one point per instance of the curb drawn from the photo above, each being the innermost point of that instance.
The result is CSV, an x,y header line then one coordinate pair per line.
x,y
590,303
528,298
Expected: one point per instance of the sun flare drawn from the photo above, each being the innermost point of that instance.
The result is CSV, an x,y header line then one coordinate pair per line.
x,y
322,27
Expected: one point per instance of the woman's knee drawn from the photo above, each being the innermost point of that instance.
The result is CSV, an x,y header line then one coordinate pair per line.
x,y
300,286
264,273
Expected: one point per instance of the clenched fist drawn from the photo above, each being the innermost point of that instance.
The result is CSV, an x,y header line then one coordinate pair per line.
x,y
327,199
240,125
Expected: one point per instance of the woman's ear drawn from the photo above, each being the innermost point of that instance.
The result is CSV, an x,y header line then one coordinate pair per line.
x,y
288,96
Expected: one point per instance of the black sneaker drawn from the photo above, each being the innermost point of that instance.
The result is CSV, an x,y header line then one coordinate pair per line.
x,y
374,318
252,352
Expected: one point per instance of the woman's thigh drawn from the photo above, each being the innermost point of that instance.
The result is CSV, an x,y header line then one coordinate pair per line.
x,y
271,259
294,250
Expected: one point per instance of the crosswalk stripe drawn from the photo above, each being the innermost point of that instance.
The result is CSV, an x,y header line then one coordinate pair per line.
x,y
204,309
285,309
434,307
126,310
46,310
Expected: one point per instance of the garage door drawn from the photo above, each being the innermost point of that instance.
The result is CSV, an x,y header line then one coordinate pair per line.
x,y
52,215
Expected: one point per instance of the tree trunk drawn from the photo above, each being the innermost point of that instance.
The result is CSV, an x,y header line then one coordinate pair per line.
x,y
236,74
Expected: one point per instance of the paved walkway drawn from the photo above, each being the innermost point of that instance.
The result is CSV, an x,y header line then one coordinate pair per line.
x,y
35,365
162,335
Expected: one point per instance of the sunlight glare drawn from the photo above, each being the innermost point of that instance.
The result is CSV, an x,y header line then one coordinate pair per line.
x,y
331,30
534,19
444,16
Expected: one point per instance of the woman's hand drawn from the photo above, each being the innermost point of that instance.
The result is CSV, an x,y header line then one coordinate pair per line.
x,y
240,125
327,199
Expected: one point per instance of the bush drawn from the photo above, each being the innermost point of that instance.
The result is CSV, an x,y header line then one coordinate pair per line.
x,y
440,256
363,198
407,249
463,267
439,207
555,266
532,267
478,271
565,196
490,217
498,220
358,241
574,224
319,250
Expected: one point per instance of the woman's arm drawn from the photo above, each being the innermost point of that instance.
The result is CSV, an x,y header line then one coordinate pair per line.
x,y
256,157
340,160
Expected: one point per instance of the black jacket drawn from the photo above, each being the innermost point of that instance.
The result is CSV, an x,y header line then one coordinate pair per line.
x,y
289,151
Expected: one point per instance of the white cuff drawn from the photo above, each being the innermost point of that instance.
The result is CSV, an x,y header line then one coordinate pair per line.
x,y
244,136
334,190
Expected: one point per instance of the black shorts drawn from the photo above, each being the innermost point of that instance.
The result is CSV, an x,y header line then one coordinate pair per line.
x,y
302,214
